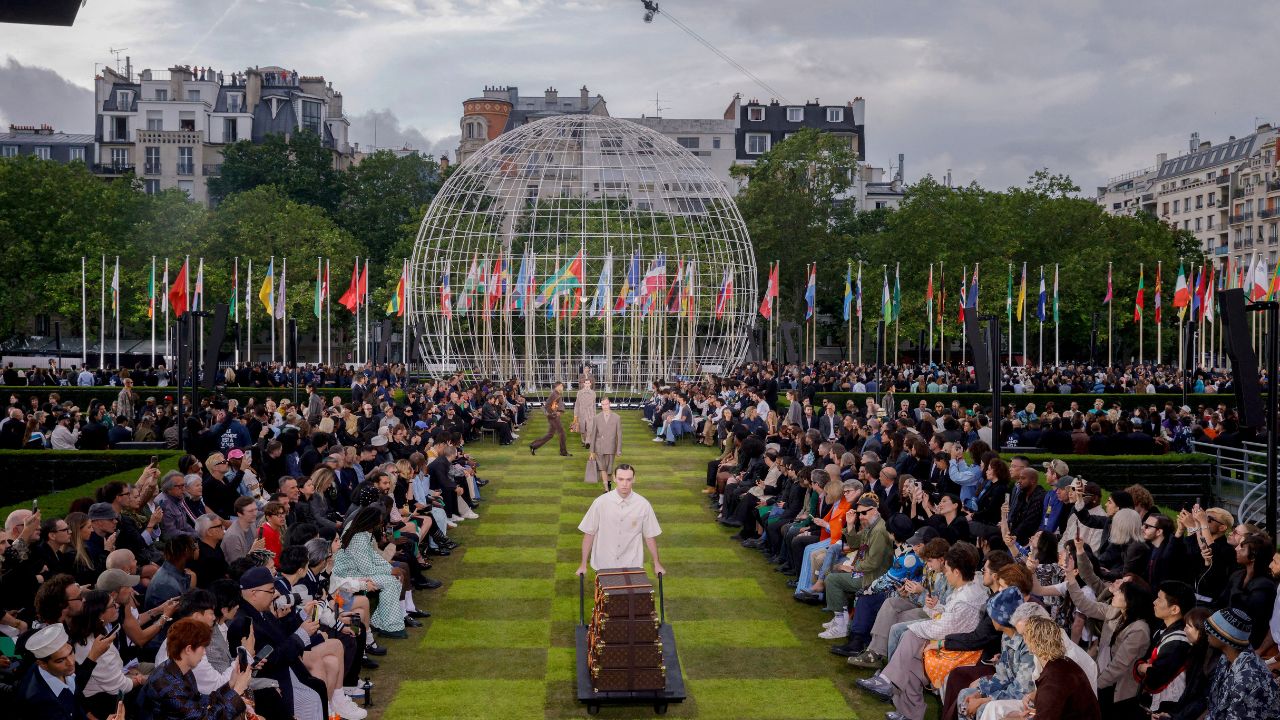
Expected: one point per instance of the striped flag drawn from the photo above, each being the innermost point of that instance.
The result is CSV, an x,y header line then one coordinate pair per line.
x,y
396,303
1040,306
198,303
600,304
811,292
886,304
1022,294
151,291
1159,290
446,301
1139,300
857,293
726,291
1055,294
267,293
770,292
848,290
115,289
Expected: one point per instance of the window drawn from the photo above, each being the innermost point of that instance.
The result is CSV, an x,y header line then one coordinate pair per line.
x,y
235,102
43,152
188,187
151,187
151,156
120,126
155,120
757,143
715,142
1208,224
1197,224
119,157
755,114
795,114
187,121
835,115
162,94
229,130
185,165
1212,199
1164,208
122,99
8,150
311,116
691,143
193,95
1175,207
77,154
1186,224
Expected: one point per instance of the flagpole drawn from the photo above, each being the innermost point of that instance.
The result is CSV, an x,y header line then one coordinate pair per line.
x,y
897,310
248,315
404,310
1111,303
1008,310
1140,321
942,315
930,313
84,317
165,297
1022,303
1040,317
235,304
152,301
200,339
283,310
1159,348
271,316
102,318
115,297
964,301
1056,360
328,317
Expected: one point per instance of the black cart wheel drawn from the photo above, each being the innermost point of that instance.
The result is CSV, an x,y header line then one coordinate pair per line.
x,y
593,708
660,708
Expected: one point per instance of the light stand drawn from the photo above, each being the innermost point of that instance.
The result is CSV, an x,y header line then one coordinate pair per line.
x,y
1272,346
993,352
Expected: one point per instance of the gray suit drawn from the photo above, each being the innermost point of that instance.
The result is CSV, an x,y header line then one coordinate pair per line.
x,y
606,439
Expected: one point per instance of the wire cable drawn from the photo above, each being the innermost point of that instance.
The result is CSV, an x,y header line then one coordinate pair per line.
x,y
721,54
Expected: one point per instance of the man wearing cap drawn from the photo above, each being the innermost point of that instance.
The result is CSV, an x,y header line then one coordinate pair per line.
x,y
870,551
1054,520
220,491
54,689
104,519
1242,687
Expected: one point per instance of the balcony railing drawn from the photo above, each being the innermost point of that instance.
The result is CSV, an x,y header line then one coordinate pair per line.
x,y
1269,213
112,168
1223,179
151,167
1273,185
186,168
171,137
1233,219
213,170
1221,250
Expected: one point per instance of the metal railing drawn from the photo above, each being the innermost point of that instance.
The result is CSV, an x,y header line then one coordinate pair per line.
x,y
1240,479
1223,179
151,167
186,168
213,170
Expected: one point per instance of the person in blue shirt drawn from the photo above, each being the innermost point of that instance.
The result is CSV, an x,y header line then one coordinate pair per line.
x,y
1054,519
968,475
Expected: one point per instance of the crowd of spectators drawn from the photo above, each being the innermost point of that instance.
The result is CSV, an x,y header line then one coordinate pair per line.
x,y
952,567
297,534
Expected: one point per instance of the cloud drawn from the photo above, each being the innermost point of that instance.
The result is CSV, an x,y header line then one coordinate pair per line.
x,y
390,134
32,95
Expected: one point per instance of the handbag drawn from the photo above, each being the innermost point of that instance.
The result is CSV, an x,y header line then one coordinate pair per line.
x,y
592,474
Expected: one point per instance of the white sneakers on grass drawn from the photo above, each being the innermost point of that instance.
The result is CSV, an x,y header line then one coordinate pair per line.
x,y
341,704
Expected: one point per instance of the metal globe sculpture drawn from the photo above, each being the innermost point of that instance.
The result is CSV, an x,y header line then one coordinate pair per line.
x,y
576,241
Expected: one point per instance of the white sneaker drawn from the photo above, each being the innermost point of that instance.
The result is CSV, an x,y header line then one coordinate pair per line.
x,y
354,692
471,515
451,524
657,439
456,518
839,628
346,709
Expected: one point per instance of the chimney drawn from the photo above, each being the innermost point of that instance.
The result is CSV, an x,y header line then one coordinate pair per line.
x,y
552,96
1264,127
586,97
128,68
902,174
1205,144
1195,141
1160,158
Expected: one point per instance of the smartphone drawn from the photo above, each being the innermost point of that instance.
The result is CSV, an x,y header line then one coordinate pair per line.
x,y
242,657
155,460
263,654
315,613
259,532
35,505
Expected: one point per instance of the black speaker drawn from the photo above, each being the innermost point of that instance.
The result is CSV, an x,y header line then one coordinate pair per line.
x,y
384,337
213,346
978,350
1189,345
291,331
880,349
920,348
1093,341
1244,361
182,349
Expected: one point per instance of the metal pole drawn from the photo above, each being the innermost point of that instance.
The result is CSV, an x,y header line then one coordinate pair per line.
x,y
84,317
102,317
152,311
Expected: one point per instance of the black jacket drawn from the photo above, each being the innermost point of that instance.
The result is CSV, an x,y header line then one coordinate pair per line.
x,y
1024,519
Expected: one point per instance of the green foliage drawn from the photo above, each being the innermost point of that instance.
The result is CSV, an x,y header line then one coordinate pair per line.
x,y
300,166
384,194
1019,401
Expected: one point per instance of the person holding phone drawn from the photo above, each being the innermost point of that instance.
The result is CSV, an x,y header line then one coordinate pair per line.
x,y
172,690
99,618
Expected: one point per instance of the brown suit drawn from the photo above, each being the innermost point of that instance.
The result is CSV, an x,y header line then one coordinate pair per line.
x,y
606,440
553,409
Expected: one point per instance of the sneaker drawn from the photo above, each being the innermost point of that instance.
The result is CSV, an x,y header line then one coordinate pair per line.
x,y
471,515
456,518
451,524
347,710
658,439
869,659
838,629
355,692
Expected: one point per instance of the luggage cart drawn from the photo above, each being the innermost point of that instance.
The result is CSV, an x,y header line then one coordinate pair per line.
x,y
674,691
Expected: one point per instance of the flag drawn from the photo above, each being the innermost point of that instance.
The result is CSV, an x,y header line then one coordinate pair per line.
x,y
178,292
1055,294
811,292
198,303
396,303
886,305
1197,300
1138,299
446,302
281,299
1159,291
971,300
362,292
848,290
630,283
351,298
1261,280
770,292
518,297
1022,293
267,294
857,297
688,302
1008,296
1181,293
151,291
1275,283
468,287
1040,306
726,291
928,293
675,293
115,289
234,305
964,292
897,293
568,277
164,283
655,278
1209,288
600,305
316,303
498,281
1107,300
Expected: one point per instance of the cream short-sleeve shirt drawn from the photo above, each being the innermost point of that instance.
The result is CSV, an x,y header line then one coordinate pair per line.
x,y
620,527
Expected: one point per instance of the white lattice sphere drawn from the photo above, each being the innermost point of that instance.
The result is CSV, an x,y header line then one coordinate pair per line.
x,y
622,198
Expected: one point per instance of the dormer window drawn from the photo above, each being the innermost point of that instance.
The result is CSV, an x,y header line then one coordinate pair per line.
x,y
755,114
835,115
122,100
795,114
235,102
162,94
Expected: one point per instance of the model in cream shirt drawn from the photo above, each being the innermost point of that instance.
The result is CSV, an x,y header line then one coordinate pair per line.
x,y
617,527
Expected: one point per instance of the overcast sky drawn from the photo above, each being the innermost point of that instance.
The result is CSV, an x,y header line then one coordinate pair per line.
x,y
991,91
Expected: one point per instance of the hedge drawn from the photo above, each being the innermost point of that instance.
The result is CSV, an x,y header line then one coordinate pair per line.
x,y
1019,401
107,393
33,474
1174,480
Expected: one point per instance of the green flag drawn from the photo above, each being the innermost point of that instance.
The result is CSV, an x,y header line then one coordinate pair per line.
x,y
897,293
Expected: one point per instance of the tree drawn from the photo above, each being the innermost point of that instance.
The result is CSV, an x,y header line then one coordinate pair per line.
x,y
299,166
794,209
382,195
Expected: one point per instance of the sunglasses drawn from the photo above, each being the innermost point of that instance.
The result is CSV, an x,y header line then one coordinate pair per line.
x,y
864,512
1150,527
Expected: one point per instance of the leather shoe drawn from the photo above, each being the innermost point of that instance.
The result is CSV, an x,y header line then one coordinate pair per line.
x,y
846,650
411,622
808,598
481,482
418,614
532,450
368,663
793,584
426,583
442,552
372,649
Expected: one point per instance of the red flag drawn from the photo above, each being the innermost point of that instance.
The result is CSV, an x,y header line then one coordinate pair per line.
x,y
771,292
178,293
362,293
349,298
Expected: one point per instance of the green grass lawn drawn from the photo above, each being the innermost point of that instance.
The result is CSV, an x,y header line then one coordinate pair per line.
x,y
499,643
